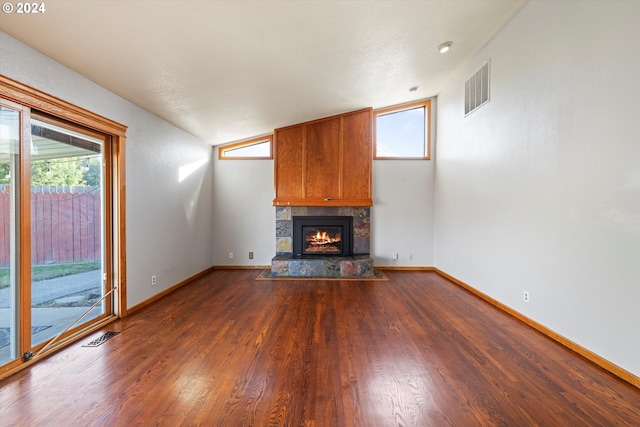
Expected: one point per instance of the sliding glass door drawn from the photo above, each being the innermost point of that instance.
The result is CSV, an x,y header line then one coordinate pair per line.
x,y
67,243
10,130
56,252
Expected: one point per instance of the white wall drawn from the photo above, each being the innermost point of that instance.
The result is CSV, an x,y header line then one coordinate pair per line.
x,y
401,218
168,222
402,213
243,214
539,190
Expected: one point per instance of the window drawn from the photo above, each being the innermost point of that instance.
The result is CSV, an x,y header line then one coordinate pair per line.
x,y
403,131
253,149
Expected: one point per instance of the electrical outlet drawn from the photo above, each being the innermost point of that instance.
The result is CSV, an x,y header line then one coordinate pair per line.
x,y
230,255
153,281
395,257
250,255
411,257
526,296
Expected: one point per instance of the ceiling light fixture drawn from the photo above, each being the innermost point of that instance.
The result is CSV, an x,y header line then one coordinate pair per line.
x,y
444,47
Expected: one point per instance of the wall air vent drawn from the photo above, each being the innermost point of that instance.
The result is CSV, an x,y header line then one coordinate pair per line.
x,y
476,90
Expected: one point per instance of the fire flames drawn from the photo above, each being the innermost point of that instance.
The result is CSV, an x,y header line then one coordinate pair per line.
x,y
322,242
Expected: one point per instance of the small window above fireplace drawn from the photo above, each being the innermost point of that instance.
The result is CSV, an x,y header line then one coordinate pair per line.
x,y
321,236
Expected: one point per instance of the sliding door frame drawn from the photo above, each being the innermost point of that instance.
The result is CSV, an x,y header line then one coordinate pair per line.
x,y
32,101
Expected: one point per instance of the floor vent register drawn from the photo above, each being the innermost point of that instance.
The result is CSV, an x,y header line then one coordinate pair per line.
x,y
102,339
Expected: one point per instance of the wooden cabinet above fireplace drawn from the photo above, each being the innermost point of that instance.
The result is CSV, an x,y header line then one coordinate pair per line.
x,y
325,162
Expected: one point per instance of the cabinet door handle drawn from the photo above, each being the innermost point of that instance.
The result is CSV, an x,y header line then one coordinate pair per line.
x,y
327,199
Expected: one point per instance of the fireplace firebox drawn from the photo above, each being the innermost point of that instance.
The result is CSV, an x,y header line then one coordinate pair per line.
x,y
322,236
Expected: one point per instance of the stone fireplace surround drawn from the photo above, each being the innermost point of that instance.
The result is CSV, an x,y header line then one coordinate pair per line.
x,y
359,265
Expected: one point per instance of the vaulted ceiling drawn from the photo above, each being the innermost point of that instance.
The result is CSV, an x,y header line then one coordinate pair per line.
x,y
230,70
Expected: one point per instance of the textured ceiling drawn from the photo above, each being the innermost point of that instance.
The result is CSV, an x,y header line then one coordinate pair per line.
x,y
231,70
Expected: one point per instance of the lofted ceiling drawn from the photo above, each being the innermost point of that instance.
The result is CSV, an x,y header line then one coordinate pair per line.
x,y
230,70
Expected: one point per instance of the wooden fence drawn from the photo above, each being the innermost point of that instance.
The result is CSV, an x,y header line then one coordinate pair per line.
x,y
65,224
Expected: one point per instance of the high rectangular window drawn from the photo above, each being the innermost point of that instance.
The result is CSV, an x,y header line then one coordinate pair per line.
x,y
402,132
256,148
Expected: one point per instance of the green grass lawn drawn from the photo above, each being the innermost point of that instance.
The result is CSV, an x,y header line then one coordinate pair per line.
x,y
44,272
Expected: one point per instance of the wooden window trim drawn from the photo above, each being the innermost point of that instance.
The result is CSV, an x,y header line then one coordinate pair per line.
x,y
35,99
426,103
253,141
35,102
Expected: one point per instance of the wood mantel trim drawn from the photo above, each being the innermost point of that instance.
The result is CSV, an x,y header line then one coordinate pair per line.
x,y
287,201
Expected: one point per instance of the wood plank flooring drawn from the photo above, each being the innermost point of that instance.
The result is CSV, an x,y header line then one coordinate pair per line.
x,y
228,350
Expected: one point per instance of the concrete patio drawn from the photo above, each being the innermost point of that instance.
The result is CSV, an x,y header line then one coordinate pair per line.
x,y
50,321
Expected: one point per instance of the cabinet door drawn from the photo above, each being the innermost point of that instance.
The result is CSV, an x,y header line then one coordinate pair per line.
x,y
357,149
322,163
289,144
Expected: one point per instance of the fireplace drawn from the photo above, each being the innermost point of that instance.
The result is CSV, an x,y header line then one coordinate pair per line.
x,y
322,236
321,257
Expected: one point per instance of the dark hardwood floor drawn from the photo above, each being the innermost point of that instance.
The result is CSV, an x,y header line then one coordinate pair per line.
x,y
228,350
